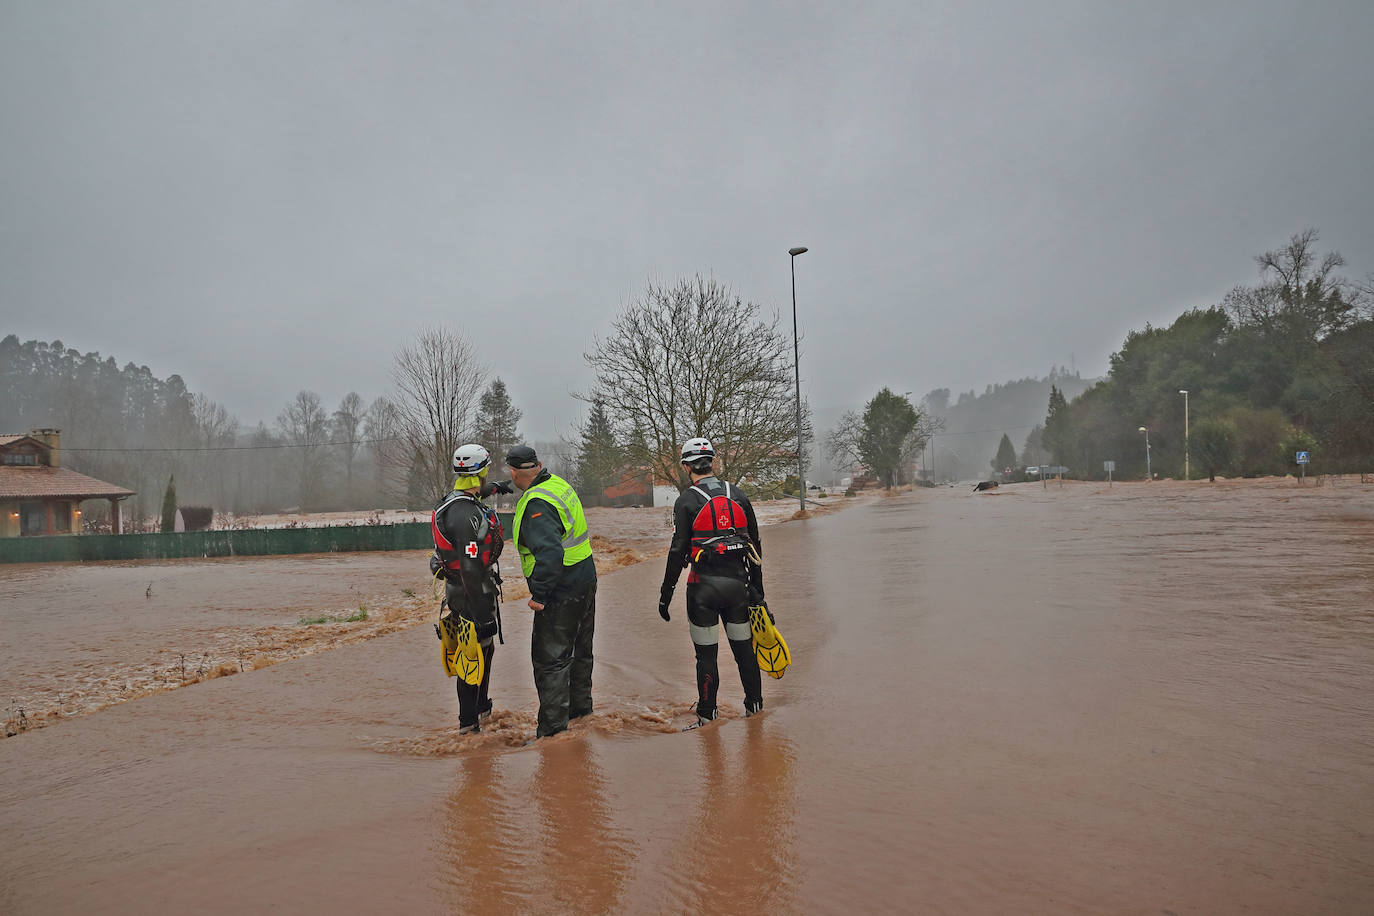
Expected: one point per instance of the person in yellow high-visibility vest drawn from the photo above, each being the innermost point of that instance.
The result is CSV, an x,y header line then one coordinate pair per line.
x,y
550,533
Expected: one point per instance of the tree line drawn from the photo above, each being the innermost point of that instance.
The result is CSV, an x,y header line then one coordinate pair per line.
x,y
128,427
1282,365
683,360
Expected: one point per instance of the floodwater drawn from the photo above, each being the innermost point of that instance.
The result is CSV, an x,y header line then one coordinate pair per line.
x,y
1154,698
79,637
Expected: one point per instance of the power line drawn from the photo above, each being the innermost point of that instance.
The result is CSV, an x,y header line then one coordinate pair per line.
x,y
236,448
972,432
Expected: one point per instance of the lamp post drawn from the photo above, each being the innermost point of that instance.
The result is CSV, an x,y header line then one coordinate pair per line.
x,y
914,459
1148,475
1184,392
796,365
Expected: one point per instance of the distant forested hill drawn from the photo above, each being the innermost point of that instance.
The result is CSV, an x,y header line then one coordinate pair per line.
x,y
975,423
126,426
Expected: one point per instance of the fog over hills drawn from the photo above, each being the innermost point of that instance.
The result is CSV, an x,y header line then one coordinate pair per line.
x,y
974,423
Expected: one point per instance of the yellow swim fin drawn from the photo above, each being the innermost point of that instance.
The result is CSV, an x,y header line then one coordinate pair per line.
x,y
463,656
770,649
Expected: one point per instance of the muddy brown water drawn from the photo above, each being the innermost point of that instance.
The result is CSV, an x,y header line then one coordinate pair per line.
x,y
1155,698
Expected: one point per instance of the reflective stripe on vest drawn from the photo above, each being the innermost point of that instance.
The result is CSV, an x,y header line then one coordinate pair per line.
x,y
558,493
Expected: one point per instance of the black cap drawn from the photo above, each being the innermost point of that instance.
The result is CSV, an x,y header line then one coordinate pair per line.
x,y
521,457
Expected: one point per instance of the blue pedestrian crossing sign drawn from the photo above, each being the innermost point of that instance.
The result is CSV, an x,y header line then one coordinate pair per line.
x,y
1304,458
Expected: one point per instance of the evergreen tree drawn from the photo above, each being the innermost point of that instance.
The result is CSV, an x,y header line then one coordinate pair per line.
x,y
497,419
1006,456
169,505
600,458
1056,436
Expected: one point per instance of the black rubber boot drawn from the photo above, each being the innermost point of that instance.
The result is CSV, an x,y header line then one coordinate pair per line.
x,y
749,674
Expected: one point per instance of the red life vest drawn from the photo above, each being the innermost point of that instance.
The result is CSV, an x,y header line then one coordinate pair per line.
x,y
486,542
720,540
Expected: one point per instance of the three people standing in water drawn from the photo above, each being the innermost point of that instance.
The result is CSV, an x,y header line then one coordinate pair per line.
x,y
715,532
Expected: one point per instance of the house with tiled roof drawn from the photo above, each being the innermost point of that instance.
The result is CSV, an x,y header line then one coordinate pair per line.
x,y
38,496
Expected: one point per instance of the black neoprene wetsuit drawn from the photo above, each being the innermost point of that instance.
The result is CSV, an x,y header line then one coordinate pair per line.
x,y
468,541
716,592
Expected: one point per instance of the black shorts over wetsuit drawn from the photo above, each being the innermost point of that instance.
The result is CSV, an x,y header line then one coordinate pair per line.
x,y
719,589
467,542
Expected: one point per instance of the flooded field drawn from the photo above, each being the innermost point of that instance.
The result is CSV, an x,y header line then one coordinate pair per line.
x,y
164,625
1146,699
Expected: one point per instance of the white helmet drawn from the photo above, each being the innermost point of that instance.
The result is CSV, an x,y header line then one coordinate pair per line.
x,y
694,449
470,460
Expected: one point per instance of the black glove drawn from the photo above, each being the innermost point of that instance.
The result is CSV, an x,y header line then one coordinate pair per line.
x,y
502,486
665,598
436,565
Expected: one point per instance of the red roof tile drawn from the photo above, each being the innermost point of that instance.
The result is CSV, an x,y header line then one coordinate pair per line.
x,y
27,482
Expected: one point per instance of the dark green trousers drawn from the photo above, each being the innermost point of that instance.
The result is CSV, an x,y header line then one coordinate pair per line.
x,y
561,650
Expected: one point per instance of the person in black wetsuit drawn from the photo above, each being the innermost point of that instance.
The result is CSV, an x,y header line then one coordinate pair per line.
x,y
716,533
467,543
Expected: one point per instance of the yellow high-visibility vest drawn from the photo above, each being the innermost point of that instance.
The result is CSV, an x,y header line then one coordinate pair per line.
x,y
557,492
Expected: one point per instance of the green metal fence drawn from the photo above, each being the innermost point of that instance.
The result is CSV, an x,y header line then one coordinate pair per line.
x,y
227,543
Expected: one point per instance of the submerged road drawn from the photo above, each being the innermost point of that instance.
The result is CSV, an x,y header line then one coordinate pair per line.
x,y
1149,699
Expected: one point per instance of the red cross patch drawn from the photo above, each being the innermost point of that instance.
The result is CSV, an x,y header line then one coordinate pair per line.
x,y
471,549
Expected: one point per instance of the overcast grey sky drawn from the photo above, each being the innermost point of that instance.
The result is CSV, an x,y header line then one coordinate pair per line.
x,y
270,196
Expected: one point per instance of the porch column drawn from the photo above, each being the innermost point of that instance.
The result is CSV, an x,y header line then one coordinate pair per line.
x,y
116,522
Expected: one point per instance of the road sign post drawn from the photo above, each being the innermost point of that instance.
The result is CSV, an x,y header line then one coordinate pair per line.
x,y
1303,459
1109,466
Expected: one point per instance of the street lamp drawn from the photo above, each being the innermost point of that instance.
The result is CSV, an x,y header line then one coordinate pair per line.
x,y
1148,475
796,365
914,459
1184,392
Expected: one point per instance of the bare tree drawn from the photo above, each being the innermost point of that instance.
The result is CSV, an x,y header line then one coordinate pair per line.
x,y
1363,297
694,359
216,430
305,425
438,380
1300,291
382,427
347,419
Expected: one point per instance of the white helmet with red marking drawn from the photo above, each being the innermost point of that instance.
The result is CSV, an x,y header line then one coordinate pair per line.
x,y
695,450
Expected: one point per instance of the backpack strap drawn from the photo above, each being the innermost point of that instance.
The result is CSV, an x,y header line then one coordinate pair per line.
x,y
707,505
